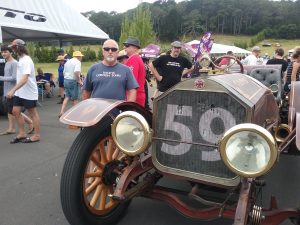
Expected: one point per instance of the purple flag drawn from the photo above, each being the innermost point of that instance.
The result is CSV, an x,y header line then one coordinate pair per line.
x,y
205,45
150,51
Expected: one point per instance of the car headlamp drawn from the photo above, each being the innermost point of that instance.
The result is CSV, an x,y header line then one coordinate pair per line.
x,y
131,133
248,150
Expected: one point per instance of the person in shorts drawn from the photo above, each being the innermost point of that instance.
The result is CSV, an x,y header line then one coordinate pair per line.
x,y
24,94
72,81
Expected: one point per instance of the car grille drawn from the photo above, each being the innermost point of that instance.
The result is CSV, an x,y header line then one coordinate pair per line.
x,y
188,127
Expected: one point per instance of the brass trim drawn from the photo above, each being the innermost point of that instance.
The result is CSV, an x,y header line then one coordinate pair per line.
x,y
145,126
256,129
282,127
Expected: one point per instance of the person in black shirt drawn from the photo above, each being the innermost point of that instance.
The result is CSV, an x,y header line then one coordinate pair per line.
x,y
278,59
170,67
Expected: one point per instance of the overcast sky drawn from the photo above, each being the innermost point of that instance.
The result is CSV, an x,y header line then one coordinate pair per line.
x,y
105,5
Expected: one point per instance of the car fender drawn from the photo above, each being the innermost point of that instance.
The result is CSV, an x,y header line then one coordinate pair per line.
x,y
90,111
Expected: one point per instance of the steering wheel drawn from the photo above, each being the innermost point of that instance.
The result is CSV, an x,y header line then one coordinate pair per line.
x,y
232,61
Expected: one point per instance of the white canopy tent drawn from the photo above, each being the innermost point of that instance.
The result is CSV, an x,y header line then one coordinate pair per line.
x,y
45,20
221,49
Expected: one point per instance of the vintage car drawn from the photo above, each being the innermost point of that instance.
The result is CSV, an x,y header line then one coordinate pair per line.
x,y
221,132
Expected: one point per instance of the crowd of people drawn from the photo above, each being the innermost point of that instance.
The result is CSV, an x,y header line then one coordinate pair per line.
x,y
121,75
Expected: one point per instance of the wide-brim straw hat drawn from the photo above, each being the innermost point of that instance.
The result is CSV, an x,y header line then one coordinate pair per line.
x,y
60,58
77,54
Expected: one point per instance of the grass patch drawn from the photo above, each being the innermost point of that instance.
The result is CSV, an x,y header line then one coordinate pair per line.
x,y
52,67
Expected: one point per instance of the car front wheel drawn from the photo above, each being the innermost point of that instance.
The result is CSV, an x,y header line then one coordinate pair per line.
x,y
88,178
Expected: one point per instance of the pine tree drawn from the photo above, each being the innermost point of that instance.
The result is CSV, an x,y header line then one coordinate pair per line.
x,y
140,27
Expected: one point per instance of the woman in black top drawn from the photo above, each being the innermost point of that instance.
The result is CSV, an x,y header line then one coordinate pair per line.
x,y
293,71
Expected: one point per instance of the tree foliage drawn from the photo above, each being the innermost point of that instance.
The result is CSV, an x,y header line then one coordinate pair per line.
x,y
279,19
140,26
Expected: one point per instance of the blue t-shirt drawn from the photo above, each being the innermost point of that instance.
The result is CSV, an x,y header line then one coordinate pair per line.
x,y
61,73
110,82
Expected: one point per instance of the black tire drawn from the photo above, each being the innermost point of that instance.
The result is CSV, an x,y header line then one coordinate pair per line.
x,y
73,200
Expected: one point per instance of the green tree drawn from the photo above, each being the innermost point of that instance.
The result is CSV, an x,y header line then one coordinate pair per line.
x,y
140,26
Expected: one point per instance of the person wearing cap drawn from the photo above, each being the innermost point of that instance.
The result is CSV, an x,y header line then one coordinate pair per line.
x,y
253,59
61,52
25,94
135,63
171,67
72,81
110,79
61,64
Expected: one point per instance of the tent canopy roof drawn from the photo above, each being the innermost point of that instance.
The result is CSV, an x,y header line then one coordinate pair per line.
x,y
45,20
221,49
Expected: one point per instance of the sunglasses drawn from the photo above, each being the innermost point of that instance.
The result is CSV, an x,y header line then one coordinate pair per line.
x,y
127,46
112,49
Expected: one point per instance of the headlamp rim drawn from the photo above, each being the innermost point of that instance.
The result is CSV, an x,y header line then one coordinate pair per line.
x,y
145,126
258,130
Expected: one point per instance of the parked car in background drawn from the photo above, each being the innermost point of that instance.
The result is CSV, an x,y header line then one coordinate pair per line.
x,y
266,44
220,133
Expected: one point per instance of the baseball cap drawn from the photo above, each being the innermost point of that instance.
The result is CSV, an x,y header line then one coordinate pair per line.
x,y
18,42
176,44
256,49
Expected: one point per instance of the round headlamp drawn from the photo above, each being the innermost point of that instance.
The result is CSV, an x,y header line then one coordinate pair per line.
x,y
248,150
131,133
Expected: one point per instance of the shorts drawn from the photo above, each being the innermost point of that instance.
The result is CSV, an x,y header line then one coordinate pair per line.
x,y
27,104
61,82
72,89
9,102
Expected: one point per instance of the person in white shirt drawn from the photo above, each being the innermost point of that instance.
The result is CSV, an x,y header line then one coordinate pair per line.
x,y
25,94
72,81
253,58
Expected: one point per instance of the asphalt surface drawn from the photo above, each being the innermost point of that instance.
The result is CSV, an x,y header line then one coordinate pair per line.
x,y
30,178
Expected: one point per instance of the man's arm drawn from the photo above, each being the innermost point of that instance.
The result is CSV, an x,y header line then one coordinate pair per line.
x,y
20,84
86,94
154,72
131,95
186,70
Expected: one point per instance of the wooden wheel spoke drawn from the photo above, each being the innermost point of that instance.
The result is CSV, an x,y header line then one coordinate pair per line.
x,y
97,162
110,149
102,153
93,185
95,192
93,174
96,195
111,201
103,199
115,154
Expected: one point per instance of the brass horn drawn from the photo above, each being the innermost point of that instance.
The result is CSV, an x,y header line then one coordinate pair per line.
x,y
281,132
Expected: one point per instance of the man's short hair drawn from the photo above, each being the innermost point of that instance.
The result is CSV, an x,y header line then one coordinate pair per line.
x,y
6,48
279,51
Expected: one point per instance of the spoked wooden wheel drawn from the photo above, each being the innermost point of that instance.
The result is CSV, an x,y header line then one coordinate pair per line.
x,y
97,184
89,176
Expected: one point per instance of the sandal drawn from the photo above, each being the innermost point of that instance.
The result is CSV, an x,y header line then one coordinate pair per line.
x,y
17,140
7,132
28,140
